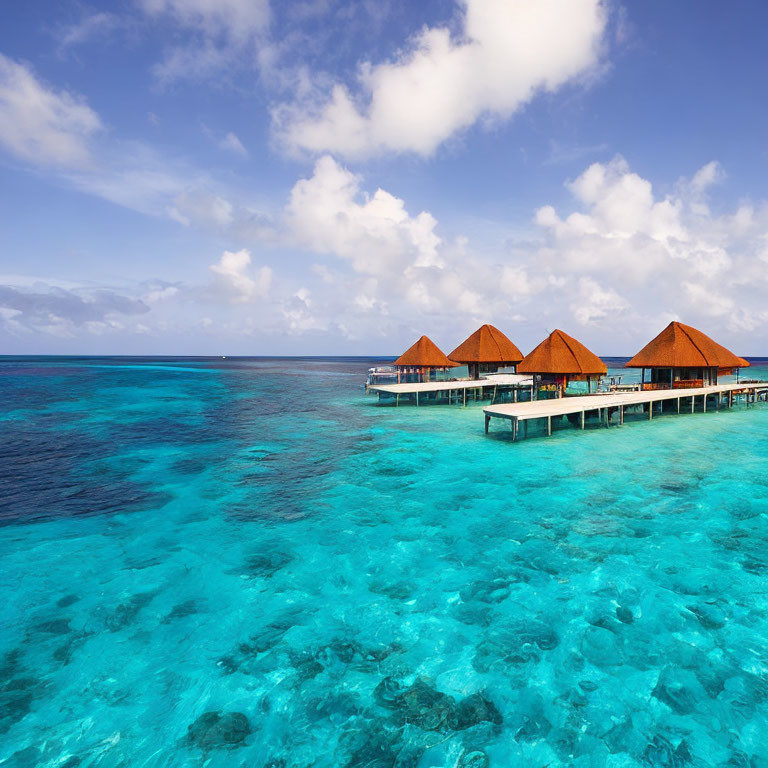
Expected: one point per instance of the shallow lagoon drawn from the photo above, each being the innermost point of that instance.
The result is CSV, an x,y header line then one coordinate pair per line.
x,y
369,586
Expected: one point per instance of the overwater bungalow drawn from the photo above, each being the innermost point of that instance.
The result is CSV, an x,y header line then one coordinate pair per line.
x,y
487,350
422,362
682,357
560,360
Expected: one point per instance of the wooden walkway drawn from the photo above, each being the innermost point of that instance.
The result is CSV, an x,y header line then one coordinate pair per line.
x,y
615,403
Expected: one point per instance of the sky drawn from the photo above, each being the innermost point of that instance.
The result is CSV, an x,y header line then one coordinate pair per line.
x,y
338,177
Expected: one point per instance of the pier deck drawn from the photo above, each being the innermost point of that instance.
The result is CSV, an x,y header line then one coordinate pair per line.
x,y
502,380
614,402
475,388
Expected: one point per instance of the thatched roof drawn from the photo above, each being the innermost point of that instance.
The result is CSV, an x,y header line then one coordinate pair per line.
x,y
561,354
742,364
487,345
681,346
424,354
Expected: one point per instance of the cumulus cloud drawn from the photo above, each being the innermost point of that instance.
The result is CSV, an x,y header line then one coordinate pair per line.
x,y
328,213
386,261
234,279
42,125
614,268
624,229
628,250
506,52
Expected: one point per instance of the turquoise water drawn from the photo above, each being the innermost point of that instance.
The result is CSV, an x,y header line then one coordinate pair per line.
x,y
249,563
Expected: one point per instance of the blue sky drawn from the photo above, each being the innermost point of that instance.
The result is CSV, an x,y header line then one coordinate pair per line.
x,y
328,177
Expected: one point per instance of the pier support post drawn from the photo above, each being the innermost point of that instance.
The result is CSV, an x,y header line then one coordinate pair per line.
x,y
678,406
417,398
465,398
487,422
582,419
549,426
514,395
693,403
650,410
397,400
704,397
514,429
621,415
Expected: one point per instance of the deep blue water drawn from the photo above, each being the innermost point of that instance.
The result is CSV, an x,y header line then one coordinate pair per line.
x,y
248,563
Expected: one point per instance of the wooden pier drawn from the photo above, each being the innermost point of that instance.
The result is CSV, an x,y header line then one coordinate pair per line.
x,y
606,406
459,391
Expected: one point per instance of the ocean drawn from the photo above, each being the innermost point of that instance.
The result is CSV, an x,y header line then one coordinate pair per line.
x,y
246,562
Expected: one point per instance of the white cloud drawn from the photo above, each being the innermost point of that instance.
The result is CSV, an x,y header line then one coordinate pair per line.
x,y
327,213
389,264
235,19
222,33
233,278
203,208
231,143
628,250
595,303
507,52
55,129
90,26
160,291
624,229
62,312
710,302
614,269
40,125
707,176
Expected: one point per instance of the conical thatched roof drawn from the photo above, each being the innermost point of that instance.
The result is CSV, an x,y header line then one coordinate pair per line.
x,y
561,354
744,363
681,346
424,354
487,345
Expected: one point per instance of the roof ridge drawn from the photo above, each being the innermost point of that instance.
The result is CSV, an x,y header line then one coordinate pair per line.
x,y
570,349
683,328
493,339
